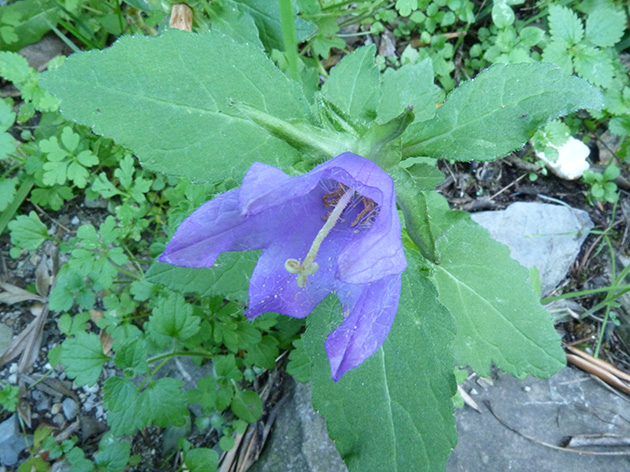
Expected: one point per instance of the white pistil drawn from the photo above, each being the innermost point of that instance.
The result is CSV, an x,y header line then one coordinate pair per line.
x,y
309,266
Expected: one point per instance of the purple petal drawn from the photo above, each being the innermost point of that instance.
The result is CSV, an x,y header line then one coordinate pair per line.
x,y
210,230
366,326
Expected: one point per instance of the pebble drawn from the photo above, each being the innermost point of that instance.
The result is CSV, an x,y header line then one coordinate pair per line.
x,y
12,379
75,221
91,389
88,404
70,408
56,408
58,420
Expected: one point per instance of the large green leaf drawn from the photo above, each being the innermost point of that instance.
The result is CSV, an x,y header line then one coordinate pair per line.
x,y
498,111
394,412
499,317
229,277
411,85
266,14
170,100
354,84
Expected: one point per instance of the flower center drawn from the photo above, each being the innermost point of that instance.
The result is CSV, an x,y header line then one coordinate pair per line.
x,y
309,266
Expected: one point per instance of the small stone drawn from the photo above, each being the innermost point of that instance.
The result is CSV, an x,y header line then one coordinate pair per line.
x,y
75,221
59,420
540,234
88,404
43,404
56,408
70,408
91,389
12,379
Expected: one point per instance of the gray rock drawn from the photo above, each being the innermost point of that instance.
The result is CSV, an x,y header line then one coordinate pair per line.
x,y
547,411
39,54
70,408
299,442
12,441
539,234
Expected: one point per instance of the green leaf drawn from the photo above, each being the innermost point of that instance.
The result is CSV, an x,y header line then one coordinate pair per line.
x,y
28,231
121,399
502,14
594,65
620,125
565,25
14,68
353,84
132,356
267,18
193,80
605,25
531,35
7,192
7,115
113,454
229,277
83,358
202,459
557,133
299,365
247,405
558,53
69,139
263,353
71,325
229,18
226,369
35,16
405,7
7,145
411,85
394,411
499,318
163,403
498,111
411,184
174,317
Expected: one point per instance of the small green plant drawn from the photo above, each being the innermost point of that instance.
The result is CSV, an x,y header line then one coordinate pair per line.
x,y
602,187
9,397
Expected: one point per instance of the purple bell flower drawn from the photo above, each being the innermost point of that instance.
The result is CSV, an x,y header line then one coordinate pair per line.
x,y
334,229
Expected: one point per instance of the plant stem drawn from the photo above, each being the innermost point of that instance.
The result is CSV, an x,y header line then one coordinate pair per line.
x,y
289,38
583,293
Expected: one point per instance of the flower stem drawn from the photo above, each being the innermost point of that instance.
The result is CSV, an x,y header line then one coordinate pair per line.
x,y
289,38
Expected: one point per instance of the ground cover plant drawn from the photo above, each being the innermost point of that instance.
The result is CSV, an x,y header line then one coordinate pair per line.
x,y
231,199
